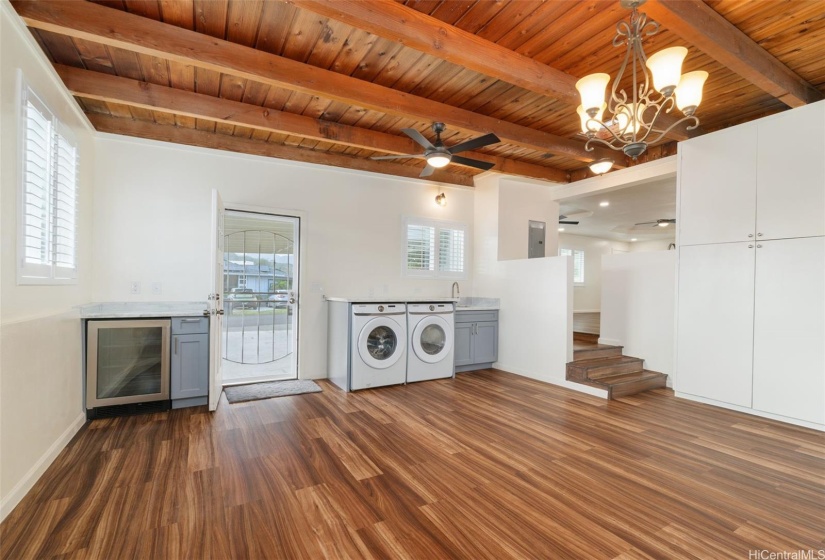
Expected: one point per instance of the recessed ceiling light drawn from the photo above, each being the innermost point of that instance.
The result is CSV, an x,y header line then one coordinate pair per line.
x,y
561,229
663,224
604,204
634,239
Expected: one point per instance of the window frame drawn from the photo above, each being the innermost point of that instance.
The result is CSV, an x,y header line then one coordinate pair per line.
x,y
438,226
49,272
572,255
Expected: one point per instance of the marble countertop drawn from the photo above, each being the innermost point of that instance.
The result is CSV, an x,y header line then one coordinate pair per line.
x,y
116,310
477,304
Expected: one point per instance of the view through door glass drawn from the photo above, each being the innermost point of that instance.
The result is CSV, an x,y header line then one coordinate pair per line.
x,y
260,288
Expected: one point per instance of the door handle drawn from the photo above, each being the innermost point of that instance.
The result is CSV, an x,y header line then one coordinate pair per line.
x,y
292,300
190,320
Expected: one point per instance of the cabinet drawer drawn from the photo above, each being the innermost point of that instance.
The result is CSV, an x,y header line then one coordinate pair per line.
x,y
475,316
190,325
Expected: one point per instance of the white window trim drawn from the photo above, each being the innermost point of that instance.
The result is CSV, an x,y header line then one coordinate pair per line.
x,y
30,273
437,224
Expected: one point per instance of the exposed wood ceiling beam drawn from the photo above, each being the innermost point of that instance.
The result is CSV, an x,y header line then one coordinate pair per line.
x,y
698,24
93,22
204,139
397,22
109,88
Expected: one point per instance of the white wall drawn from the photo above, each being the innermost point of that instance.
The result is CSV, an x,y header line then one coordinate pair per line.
x,y
522,200
645,246
638,306
152,224
40,342
535,294
587,297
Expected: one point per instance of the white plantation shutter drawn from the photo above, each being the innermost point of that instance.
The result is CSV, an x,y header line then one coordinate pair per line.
x,y
578,264
48,200
451,251
37,171
64,206
434,249
420,247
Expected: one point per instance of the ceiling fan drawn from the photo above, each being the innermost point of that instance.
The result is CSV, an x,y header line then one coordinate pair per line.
x,y
572,218
438,155
663,222
563,220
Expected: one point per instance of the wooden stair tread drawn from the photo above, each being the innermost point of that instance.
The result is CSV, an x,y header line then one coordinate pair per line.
x,y
605,361
618,379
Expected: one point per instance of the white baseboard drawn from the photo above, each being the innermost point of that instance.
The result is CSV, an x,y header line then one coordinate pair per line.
x,y
746,410
594,391
586,311
8,503
610,341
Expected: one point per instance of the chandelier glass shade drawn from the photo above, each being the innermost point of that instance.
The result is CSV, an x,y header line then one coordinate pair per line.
x,y
658,86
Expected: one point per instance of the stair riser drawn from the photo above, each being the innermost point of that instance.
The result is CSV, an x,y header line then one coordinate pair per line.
x,y
593,354
627,389
607,371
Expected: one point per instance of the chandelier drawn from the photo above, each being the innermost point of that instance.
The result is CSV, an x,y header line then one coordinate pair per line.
x,y
633,122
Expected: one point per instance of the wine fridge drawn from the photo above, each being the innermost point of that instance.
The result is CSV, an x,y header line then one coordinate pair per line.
x,y
127,363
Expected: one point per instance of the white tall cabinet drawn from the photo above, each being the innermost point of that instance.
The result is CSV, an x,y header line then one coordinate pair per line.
x,y
751,296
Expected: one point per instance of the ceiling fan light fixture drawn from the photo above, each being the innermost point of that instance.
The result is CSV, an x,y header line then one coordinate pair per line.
x,y
441,199
438,159
601,166
663,224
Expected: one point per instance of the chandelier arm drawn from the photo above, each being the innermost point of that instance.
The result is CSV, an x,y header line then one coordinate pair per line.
x,y
616,137
649,126
605,143
674,125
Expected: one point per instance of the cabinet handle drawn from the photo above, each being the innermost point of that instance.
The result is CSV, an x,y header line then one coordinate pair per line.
x,y
190,320
758,235
758,246
750,246
750,235
176,345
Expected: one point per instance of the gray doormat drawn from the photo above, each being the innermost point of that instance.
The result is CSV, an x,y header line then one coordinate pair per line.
x,y
257,391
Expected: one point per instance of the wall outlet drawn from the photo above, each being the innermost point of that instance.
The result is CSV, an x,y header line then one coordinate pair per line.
x,y
134,287
157,288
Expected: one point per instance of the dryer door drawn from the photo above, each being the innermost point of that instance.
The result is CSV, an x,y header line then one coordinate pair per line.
x,y
381,343
432,339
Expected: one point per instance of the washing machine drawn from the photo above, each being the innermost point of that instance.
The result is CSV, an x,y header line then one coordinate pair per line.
x,y
379,345
432,331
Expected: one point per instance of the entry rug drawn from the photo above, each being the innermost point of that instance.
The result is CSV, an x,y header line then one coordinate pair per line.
x,y
257,391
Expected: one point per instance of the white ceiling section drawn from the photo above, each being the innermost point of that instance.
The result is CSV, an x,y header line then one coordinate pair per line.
x,y
642,203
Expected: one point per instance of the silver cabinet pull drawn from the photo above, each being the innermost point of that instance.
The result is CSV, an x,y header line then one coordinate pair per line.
x,y
758,235
176,345
750,235
750,246
758,246
190,320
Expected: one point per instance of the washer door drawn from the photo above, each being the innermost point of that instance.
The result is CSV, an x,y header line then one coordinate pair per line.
x,y
381,343
432,339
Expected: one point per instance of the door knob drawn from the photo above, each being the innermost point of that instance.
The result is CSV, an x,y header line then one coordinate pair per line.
x,y
219,312
292,300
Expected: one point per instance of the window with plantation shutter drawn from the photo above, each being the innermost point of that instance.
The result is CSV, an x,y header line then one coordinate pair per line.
x,y
434,249
48,198
578,263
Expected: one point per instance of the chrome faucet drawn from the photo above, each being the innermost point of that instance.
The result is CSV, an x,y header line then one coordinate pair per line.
x,y
455,289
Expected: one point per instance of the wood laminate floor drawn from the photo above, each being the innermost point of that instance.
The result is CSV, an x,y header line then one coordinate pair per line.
x,y
490,465
587,322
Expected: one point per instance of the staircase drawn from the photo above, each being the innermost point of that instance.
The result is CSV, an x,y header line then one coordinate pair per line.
x,y
605,367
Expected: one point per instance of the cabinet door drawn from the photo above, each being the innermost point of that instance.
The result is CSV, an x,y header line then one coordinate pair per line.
x,y
463,344
190,366
717,187
485,343
715,322
789,329
790,195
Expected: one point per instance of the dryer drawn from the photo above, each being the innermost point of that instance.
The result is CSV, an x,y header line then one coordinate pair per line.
x,y
379,345
431,327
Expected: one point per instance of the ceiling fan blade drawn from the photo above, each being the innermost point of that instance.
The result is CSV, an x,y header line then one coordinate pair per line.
x,y
646,223
568,222
485,165
475,143
427,171
410,156
417,136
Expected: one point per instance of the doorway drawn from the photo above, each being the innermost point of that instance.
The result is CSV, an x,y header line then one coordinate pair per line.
x,y
260,335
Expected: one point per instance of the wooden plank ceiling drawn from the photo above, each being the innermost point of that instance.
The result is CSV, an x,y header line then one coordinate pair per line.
x,y
335,81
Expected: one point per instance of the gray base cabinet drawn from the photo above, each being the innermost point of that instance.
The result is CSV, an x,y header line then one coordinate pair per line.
x,y
190,362
476,339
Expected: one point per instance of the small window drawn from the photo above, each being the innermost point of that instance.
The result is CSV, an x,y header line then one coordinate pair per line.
x,y
578,263
435,249
48,200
